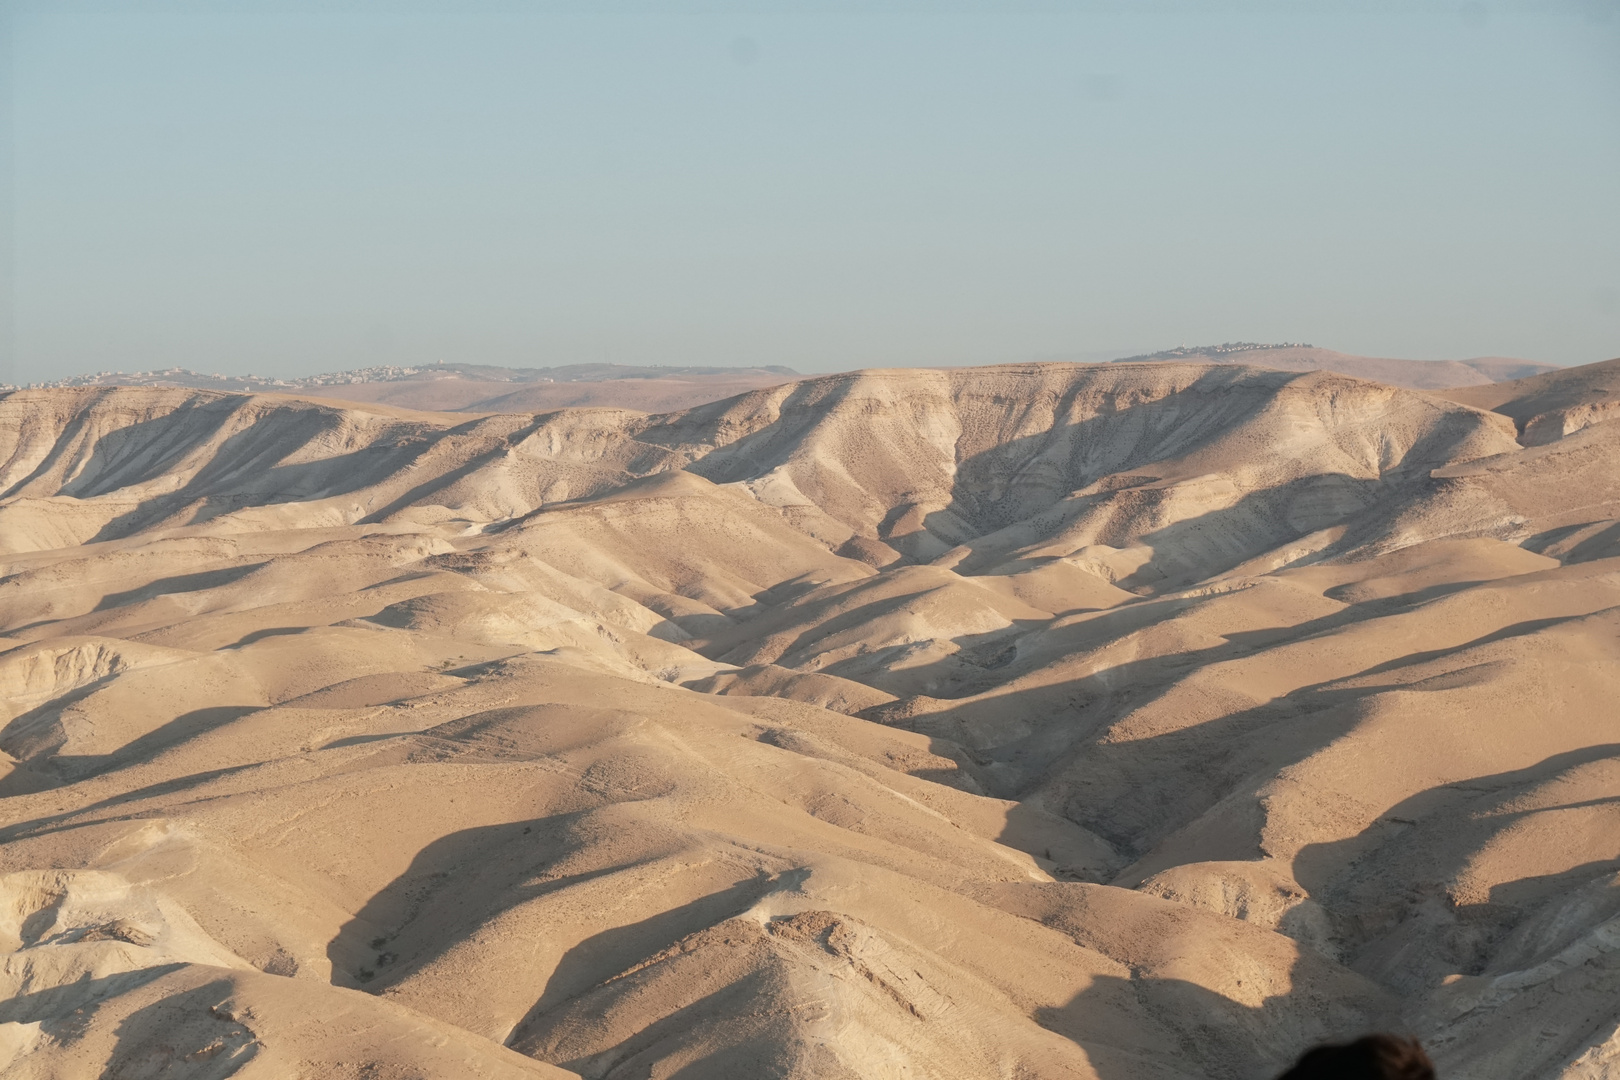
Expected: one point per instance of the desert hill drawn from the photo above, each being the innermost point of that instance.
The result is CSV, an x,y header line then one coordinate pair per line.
x,y
1124,721
1414,374
1548,406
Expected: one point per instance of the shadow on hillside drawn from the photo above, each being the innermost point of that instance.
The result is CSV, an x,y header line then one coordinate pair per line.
x,y
243,461
1187,551
34,734
1130,1027
147,747
1384,894
446,479
987,660
34,737
1022,490
618,949
64,1012
47,771
183,1035
1390,887
246,469
253,636
1023,736
179,1035
760,451
1006,483
1145,1028
1014,480
452,887
128,455
1602,541
180,583
64,819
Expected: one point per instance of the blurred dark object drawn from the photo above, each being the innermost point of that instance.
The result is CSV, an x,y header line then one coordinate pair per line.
x,y
1371,1057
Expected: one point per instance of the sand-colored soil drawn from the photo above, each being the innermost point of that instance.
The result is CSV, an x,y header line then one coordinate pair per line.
x,y
1126,721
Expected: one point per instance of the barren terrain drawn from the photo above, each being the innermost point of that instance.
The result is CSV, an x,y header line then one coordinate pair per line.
x,y
1129,721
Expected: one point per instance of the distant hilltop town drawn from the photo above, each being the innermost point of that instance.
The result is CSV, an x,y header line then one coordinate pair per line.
x,y
1183,352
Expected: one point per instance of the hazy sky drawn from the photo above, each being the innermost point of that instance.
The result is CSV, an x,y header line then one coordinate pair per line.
x,y
281,189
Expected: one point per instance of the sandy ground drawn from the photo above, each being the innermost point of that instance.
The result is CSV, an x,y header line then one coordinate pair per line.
x,y
1126,721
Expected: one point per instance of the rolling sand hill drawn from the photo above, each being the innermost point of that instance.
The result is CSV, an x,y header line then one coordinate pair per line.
x,y
1126,721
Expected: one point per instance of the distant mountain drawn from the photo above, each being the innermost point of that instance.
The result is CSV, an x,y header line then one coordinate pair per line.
x,y
486,389
479,388
1293,356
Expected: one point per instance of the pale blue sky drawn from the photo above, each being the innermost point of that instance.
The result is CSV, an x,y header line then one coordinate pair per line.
x,y
285,190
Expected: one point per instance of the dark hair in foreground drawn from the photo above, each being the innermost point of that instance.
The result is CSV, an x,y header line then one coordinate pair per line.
x,y
1371,1057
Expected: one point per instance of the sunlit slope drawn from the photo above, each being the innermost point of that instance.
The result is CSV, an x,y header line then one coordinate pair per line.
x,y
1043,460
1112,457
1549,406
1041,721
